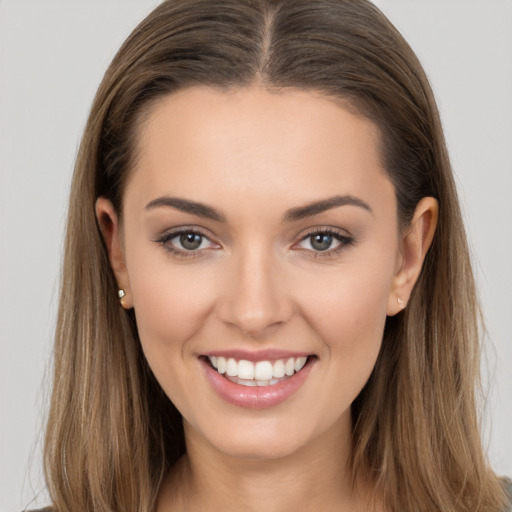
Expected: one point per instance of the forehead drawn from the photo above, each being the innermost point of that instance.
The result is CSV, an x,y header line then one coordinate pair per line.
x,y
253,140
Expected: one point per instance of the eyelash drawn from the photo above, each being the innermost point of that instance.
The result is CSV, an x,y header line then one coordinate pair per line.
x,y
165,240
343,239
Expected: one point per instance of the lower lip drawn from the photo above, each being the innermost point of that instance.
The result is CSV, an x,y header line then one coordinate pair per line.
x,y
256,397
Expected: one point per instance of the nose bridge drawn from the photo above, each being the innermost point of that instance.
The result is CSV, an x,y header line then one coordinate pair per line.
x,y
255,298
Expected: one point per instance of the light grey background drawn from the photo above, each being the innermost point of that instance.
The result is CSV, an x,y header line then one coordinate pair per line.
x,y
52,56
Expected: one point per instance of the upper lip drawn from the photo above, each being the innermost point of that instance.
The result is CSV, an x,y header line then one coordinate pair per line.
x,y
257,355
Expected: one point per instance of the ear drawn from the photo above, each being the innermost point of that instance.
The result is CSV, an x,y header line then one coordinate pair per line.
x,y
414,245
108,221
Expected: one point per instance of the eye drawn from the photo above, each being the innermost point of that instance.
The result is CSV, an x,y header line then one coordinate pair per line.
x,y
321,241
186,242
326,241
190,241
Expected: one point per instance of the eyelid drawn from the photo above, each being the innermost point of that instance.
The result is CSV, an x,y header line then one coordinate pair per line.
x,y
164,238
341,235
325,229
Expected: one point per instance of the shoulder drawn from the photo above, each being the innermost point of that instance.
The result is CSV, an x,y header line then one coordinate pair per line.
x,y
506,482
507,485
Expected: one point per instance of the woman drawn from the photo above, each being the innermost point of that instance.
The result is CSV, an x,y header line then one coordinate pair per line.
x,y
267,299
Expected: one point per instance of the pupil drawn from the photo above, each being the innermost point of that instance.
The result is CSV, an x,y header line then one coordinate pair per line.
x,y
321,242
191,241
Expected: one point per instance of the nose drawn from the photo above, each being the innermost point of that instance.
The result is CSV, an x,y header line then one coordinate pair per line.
x,y
255,298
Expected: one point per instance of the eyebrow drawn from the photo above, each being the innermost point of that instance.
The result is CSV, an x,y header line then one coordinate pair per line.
x,y
317,207
292,215
187,206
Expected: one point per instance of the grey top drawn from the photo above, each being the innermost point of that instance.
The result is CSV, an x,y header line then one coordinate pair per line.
x,y
507,484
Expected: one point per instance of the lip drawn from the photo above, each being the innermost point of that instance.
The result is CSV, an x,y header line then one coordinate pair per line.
x,y
261,355
256,397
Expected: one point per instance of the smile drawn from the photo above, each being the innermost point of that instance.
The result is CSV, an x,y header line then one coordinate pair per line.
x,y
260,373
265,381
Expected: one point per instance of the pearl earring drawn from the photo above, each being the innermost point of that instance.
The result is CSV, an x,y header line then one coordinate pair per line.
x,y
121,294
401,302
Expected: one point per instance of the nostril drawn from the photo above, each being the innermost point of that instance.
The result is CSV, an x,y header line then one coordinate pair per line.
x,y
255,320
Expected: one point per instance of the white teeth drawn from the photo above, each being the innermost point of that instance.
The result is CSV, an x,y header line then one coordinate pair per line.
x,y
253,383
221,365
231,368
262,373
299,363
278,369
263,370
289,367
245,370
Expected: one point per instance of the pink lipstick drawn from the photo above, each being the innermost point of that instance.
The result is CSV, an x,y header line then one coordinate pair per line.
x,y
259,380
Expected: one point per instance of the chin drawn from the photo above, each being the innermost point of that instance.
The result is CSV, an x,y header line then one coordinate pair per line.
x,y
260,447
269,438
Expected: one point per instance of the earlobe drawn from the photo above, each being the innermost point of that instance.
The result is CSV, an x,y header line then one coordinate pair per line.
x,y
415,243
108,221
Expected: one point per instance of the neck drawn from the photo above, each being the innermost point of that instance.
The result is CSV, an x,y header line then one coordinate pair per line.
x,y
315,477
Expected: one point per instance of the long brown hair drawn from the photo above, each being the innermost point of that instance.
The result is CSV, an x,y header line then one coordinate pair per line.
x,y
112,433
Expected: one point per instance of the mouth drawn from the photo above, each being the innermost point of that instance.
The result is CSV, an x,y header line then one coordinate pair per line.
x,y
263,382
258,373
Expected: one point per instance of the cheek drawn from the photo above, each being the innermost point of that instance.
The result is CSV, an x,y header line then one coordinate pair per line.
x,y
170,298
347,310
171,302
170,309
168,305
349,301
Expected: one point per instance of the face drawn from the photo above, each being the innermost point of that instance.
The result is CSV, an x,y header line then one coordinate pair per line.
x,y
259,248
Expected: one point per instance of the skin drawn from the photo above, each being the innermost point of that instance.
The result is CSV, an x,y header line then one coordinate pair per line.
x,y
258,283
